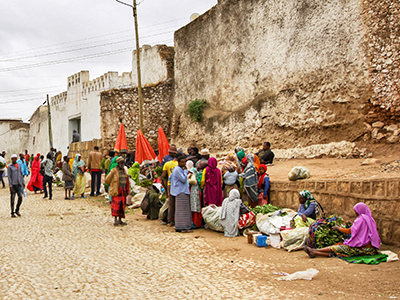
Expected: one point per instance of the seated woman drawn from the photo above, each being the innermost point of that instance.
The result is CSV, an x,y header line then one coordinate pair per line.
x,y
230,213
364,237
308,210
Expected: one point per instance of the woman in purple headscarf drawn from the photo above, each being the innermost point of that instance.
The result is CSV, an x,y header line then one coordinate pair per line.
x,y
364,237
211,183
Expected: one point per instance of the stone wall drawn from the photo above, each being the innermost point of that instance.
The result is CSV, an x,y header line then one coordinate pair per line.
x,y
292,72
339,196
382,19
84,148
123,104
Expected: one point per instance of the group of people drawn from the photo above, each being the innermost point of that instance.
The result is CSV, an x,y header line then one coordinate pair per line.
x,y
195,180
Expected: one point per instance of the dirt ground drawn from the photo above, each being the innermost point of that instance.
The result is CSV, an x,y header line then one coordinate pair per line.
x,y
336,279
334,168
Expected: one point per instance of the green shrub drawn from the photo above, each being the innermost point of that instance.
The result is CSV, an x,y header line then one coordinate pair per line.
x,y
195,109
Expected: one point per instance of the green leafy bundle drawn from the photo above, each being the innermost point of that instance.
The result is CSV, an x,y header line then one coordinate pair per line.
x,y
158,171
195,109
265,209
325,236
146,183
2,166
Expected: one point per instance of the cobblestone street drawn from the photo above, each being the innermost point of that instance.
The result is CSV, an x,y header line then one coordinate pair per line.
x,y
70,250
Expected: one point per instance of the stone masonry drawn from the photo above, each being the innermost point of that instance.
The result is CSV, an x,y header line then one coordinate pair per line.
x,y
122,104
339,196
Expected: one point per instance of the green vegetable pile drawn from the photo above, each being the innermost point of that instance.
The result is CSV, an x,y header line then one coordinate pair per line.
x,y
265,209
146,183
2,166
158,171
325,236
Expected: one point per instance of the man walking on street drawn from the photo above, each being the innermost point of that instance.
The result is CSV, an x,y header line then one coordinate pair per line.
x,y
16,183
94,166
47,164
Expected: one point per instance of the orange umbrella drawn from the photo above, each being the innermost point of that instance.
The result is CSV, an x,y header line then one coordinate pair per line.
x,y
121,143
163,145
144,152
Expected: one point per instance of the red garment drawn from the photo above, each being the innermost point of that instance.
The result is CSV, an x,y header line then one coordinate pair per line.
x,y
213,186
118,203
197,219
36,177
27,156
163,145
261,179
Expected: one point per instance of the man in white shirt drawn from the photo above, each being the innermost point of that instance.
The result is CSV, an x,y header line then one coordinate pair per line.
x,y
3,164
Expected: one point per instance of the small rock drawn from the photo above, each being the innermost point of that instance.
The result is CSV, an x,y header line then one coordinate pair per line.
x,y
392,127
374,133
370,161
393,139
397,132
380,136
367,126
378,124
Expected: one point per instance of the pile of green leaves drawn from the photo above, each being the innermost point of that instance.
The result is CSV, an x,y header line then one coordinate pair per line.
x,y
158,171
146,183
325,236
265,209
195,109
2,166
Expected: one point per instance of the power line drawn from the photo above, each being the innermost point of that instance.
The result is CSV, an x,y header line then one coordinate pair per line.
x,y
29,89
57,45
82,48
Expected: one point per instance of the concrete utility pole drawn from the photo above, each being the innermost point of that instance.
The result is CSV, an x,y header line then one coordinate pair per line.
x,y
49,120
139,75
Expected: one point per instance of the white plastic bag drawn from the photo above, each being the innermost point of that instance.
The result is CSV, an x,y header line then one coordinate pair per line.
x,y
391,256
298,173
305,275
294,239
211,217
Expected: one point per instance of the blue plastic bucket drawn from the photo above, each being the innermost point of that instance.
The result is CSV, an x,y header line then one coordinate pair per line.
x,y
262,241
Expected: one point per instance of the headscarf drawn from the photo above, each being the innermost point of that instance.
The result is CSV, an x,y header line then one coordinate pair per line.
x,y
134,172
213,182
250,160
241,154
307,195
230,162
233,195
261,180
364,229
77,164
189,165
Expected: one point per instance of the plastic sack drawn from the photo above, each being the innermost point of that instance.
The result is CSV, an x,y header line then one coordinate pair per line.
x,y
102,189
271,223
88,178
391,255
298,173
294,239
137,200
211,217
305,275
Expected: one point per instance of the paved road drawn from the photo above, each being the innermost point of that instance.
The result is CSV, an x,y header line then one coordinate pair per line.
x,y
70,250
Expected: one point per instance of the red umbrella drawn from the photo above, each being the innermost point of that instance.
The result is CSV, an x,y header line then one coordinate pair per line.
x,y
144,152
121,143
163,145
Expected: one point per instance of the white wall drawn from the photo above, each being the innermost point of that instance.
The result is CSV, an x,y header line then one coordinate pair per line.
x,y
153,66
13,137
39,132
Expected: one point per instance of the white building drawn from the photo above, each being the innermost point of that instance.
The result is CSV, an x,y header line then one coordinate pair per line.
x,y
78,108
39,141
13,136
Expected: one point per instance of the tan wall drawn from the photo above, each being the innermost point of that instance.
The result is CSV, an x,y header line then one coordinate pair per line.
x,y
339,197
84,148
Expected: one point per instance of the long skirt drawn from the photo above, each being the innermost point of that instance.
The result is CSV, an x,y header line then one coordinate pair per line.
x,y
118,204
80,184
183,214
347,251
252,194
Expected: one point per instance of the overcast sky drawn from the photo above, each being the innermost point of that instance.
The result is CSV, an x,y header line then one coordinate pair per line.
x,y
94,35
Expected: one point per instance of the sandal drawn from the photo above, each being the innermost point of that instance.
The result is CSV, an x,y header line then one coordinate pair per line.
x,y
307,250
123,223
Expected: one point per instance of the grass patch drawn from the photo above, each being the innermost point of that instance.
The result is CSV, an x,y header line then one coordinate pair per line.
x,y
195,109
